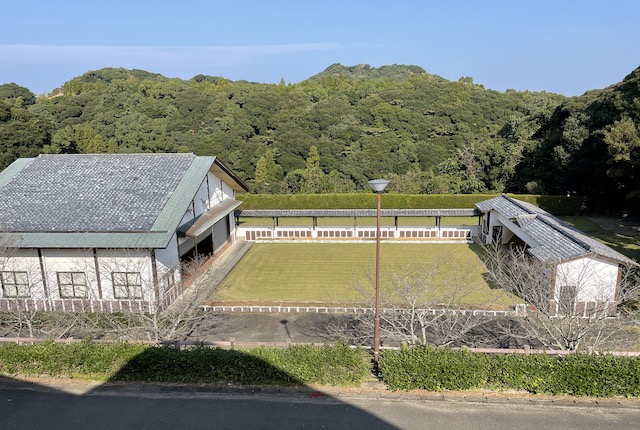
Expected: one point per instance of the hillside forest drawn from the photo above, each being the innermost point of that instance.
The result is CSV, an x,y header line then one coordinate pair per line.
x,y
338,129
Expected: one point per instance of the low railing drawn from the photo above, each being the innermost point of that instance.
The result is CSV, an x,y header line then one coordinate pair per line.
x,y
293,233
233,343
517,311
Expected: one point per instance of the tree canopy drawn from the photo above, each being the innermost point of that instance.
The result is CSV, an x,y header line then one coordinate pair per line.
x,y
343,126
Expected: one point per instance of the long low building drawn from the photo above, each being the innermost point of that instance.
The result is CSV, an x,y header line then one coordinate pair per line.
x,y
109,232
585,275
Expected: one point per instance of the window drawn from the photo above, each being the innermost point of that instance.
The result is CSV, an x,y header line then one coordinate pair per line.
x,y
127,285
567,295
170,281
72,285
15,284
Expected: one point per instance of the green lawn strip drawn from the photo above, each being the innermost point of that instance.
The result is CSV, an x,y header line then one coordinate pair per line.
x,y
623,243
332,273
337,365
361,221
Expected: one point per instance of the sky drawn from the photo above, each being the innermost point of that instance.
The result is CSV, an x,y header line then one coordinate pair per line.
x,y
560,46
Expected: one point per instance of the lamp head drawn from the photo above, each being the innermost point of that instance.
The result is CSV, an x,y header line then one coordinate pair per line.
x,y
378,185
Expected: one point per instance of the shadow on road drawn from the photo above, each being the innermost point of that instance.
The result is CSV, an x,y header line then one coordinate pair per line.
x,y
215,399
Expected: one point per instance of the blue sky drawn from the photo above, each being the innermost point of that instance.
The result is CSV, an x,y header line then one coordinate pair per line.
x,y
563,46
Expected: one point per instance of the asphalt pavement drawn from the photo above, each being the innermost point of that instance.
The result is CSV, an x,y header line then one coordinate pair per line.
x,y
59,404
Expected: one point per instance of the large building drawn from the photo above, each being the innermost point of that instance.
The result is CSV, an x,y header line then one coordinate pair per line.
x,y
108,232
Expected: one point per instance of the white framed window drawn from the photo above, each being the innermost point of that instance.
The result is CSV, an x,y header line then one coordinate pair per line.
x,y
72,285
127,285
15,284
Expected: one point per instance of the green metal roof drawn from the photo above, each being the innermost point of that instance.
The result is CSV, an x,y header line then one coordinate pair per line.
x,y
14,168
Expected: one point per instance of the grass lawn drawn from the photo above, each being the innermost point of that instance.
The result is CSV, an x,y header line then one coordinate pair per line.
x,y
332,273
364,221
609,231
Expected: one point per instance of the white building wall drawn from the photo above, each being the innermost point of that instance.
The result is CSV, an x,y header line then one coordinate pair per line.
x,y
201,199
125,260
219,191
69,260
168,261
211,192
594,280
25,260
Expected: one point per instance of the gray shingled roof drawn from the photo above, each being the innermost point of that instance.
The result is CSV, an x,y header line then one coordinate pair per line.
x,y
91,193
556,239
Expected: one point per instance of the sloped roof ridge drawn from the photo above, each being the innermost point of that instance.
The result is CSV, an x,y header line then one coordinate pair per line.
x,y
544,219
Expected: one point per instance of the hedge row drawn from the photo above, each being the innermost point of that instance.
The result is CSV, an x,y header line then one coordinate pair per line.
x,y
557,205
576,374
409,368
297,365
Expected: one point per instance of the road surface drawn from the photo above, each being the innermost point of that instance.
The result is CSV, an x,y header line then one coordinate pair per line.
x,y
31,406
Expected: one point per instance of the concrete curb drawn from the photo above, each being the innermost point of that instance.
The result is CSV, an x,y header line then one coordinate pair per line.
x,y
323,393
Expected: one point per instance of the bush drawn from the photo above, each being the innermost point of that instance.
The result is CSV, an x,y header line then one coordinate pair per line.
x,y
434,369
75,360
576,374
332,365
556,205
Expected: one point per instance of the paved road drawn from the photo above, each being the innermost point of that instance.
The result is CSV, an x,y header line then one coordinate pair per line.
x,y
26,406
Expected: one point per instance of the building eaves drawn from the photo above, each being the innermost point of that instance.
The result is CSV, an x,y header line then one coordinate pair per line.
x,y
204,221
65,240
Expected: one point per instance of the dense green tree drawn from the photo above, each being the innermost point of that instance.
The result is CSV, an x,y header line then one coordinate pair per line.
x,y
268,172
343,126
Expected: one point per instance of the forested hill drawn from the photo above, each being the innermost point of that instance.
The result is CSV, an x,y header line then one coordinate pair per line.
x,y
329,133
590,145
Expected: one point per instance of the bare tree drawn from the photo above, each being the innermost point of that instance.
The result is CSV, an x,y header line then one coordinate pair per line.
x,y
423,303
117,292
22,296
159,309
569,307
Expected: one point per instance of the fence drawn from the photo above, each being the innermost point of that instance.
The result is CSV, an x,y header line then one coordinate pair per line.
x,y
518,310
232,343
459,233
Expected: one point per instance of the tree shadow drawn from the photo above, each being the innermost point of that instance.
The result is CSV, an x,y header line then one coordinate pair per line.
x,y
164,387
485,275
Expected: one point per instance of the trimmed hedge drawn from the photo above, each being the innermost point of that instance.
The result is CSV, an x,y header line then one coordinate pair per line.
x,y
74,360
429,368
297,365
576,374
556,205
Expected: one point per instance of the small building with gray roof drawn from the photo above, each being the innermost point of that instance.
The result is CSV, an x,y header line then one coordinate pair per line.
x,y
583,271
108,232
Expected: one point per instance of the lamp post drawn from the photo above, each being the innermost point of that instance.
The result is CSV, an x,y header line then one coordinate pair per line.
x,y
378,186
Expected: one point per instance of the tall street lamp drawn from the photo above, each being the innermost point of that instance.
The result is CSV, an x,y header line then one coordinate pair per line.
x,y
378,186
